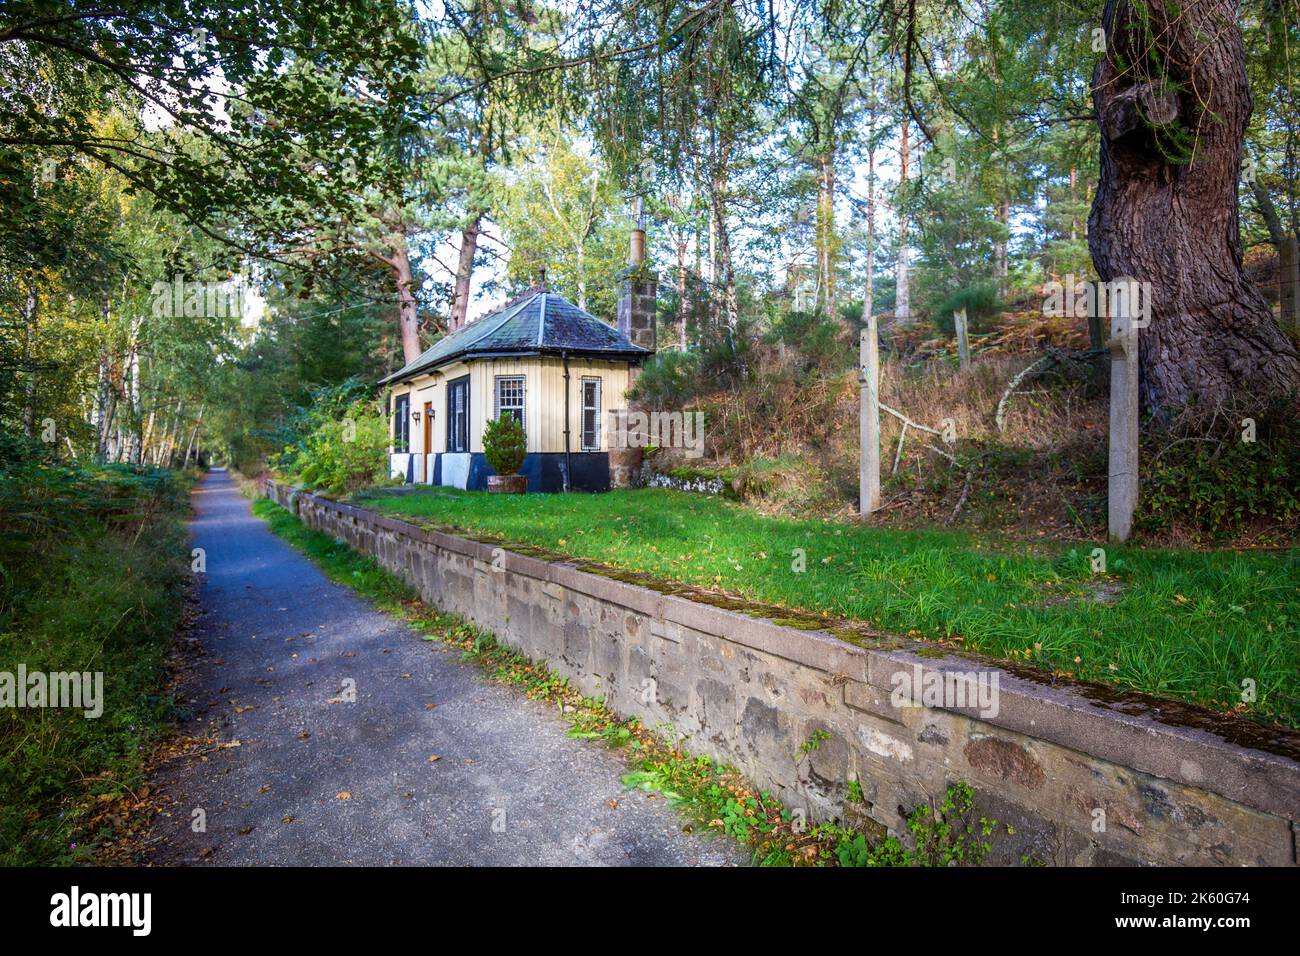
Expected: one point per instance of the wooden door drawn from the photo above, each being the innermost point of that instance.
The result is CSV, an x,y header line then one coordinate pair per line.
x,y
428,440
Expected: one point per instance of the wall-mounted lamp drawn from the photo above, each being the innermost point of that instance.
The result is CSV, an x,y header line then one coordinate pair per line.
x,y
415,415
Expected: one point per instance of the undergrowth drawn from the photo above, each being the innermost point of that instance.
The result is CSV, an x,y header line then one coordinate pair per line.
x,y
93,568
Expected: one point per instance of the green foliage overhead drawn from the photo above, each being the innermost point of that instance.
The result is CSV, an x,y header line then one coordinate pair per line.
x,y
260,145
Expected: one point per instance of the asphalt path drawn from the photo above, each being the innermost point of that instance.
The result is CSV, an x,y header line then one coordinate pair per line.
x,y
430,765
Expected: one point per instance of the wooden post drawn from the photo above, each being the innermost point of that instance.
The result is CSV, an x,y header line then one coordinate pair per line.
x,y
1123,470
1289,279
963,346
869,419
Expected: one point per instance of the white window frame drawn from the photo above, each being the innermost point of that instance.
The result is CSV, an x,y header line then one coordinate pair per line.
x,y
582,404
523,398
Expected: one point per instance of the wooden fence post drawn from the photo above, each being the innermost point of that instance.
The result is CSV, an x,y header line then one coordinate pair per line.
x,y
1123,471
963,346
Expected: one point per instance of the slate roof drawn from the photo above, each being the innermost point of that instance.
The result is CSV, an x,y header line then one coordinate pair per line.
x,y
535,323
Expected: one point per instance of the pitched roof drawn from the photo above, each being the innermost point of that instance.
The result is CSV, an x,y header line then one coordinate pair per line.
x,y
536,322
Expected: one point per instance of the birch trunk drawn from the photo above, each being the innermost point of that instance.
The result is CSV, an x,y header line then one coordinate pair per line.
x,y
903,296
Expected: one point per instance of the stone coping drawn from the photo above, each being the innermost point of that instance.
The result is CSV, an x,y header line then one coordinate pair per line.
x,y
1166,739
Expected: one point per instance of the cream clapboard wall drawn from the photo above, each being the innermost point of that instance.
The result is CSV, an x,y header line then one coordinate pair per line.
x,y
543,401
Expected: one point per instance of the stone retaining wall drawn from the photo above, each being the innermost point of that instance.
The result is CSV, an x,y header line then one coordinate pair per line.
x,y
1084,778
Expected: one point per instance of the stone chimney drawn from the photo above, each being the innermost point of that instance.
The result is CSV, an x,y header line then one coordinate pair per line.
x,y
637,291
638,288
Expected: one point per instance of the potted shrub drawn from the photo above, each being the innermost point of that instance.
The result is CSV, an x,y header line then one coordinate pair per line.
x,y
504,447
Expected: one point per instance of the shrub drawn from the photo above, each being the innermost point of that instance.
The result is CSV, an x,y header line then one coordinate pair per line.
x,y
341,454
813,341
504,445
979,300
668,380
291,433
1210,481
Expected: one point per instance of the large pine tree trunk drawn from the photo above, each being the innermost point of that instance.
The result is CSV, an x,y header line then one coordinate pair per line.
x,y
465,272
408,319
1174,224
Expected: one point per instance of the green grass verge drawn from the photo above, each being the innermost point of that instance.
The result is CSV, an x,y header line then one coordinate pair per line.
x,y
712,797
102,591
1214,628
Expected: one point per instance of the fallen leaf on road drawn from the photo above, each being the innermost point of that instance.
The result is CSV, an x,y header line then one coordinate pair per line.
x,y
287,818
434,758
264,788
245,831
612,804
233,743
343,796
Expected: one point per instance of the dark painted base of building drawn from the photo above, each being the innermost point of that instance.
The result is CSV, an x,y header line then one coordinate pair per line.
x,y
544,470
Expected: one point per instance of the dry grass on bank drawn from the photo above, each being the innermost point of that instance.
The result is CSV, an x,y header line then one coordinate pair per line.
x,y
786,441
790,443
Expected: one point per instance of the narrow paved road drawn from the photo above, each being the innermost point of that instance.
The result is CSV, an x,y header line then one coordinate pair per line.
x,y
277,643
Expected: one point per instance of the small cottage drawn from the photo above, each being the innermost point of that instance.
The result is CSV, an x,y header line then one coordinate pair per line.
x,y
558,370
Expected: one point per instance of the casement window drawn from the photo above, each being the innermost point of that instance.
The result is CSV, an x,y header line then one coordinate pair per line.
x,y
510,398
458,415
402,424
590,414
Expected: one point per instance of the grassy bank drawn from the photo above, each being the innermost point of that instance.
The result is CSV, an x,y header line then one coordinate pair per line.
x,y
1214,628
93,568
712,797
